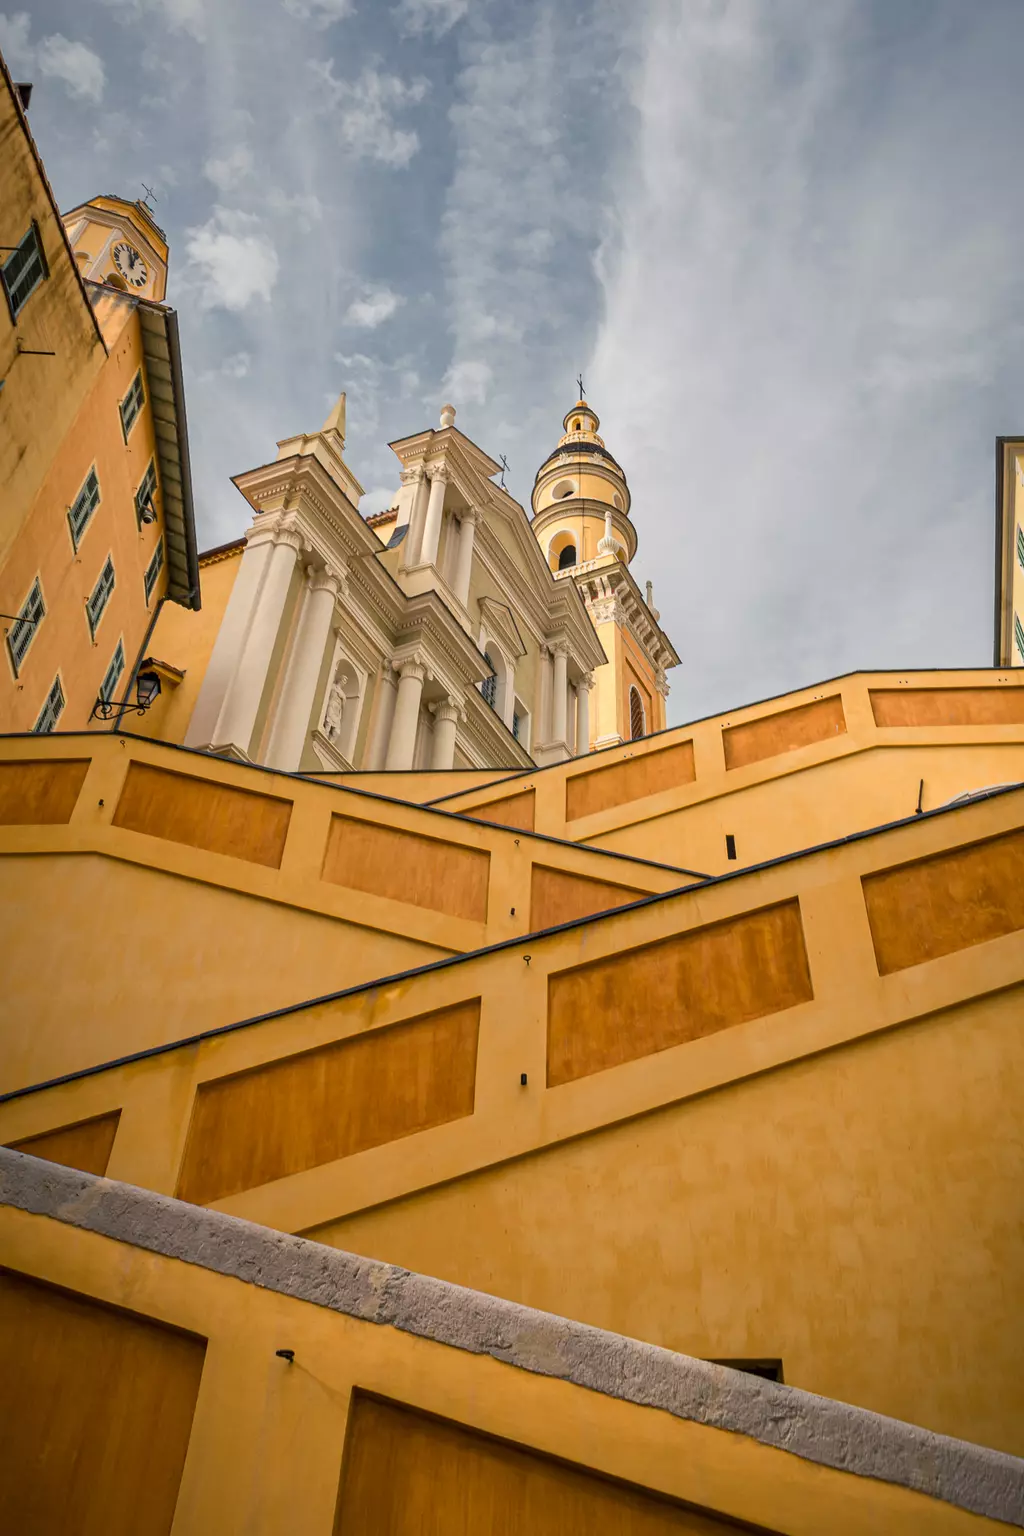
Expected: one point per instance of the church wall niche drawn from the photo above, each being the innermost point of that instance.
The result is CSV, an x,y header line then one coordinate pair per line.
x,y
338,714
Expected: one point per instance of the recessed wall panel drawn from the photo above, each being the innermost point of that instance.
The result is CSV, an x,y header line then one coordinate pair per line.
x,y
785,731
216,817
36,794
649,773
645,1000
424,871
327,1103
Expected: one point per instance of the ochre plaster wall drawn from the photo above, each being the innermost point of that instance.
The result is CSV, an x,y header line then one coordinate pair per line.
x,y
43,547
134,957
856,1215
267,1449
185,640
41,395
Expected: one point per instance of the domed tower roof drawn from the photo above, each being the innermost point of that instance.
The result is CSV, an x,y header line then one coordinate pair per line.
x,y
578,488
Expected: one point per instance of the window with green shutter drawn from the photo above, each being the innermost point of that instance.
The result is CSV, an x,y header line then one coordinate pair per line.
x,y
23,631
51,710
153,569
132,404
23,271
83,507
100,596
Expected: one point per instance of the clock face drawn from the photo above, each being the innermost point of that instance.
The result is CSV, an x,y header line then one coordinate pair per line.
x,y
129,263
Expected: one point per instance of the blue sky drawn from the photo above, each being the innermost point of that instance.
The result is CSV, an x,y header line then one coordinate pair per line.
x,y
783,241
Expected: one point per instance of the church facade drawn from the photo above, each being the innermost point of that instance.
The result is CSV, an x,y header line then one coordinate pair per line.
x,y
447,632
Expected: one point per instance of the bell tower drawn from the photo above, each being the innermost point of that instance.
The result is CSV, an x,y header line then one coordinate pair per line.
x,y
119,243
581,517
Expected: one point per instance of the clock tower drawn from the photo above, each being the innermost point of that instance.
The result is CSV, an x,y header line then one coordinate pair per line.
x,y
119,243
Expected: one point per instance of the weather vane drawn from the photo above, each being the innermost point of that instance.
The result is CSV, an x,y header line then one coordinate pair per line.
x,y
149,194
579,381
504,467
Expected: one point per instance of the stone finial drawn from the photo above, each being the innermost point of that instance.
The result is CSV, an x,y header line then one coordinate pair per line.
x,y
336,420
447,415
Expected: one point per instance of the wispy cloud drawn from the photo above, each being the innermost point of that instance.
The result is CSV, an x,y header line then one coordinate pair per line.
x,y
180,15
435,17
232,259
807,298
321,12
365,110
227,170
56,57
373,307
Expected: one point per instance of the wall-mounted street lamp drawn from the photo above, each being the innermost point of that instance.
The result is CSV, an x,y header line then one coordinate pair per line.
x,y
147,691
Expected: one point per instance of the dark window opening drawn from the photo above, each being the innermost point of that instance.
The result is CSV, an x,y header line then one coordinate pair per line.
x,y
637,720
768,1370
730,846
567,557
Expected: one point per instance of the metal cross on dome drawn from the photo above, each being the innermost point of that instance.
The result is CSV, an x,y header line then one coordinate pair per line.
x,y
579,381
149,194
504,468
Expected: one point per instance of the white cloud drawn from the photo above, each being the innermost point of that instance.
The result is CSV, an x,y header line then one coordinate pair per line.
x,y
226,171
321,12
178,15
78,68
305,207
236,366
373,307
232,261
433,16
14,42
365,109
468,381
798,340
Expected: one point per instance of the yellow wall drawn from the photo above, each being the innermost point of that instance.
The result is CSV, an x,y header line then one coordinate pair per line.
x,y
233,883
41,395
267,1448
43,547
805,782
185,639
850,1214
771,1116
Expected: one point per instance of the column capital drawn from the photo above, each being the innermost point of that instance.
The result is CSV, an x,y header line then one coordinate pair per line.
x,y
439,472
586,682
327,579
412,476
449,708
412,666
662,685
559,648
469,516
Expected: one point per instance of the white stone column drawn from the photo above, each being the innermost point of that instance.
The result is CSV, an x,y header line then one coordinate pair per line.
x,y
291,725
411,674
231,636
464,557
542,724
446,716
385,694
435,512
559,691
237,718
414,538
583,688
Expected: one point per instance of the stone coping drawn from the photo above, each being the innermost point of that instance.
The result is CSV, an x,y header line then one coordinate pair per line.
x,y
817,1429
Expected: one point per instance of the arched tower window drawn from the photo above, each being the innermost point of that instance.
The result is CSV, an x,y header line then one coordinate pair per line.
x,y
567,557
577,425
637,719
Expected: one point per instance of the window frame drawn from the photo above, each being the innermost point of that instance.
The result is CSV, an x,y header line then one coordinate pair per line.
x,y
1020,546
17,662
1018,635
94,623
34,234
126,427
633,736
153,569
76,538
150,484
108,685
58,687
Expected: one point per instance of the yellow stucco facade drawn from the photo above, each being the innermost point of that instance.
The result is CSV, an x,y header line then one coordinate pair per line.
x,y
83,572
